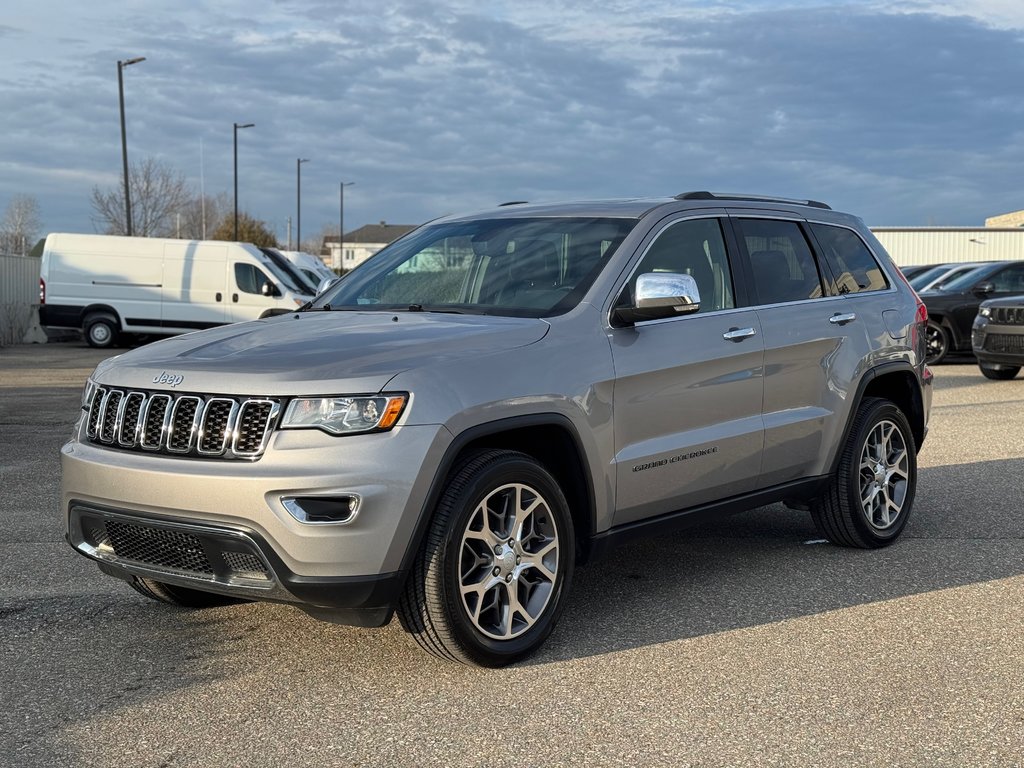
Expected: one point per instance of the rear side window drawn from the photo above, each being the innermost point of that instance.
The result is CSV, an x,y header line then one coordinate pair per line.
x,y
781,261
853,267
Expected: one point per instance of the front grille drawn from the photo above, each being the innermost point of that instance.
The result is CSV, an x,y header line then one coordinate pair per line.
x,y
158,547
211,426
1007,315
1004,342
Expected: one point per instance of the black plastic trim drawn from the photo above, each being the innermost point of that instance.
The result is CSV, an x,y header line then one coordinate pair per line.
x,y
472,434
603,543
365,601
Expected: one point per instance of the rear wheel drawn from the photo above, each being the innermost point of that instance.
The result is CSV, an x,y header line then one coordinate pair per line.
x,y
870,496
1000,373
490,581
100,331
181,596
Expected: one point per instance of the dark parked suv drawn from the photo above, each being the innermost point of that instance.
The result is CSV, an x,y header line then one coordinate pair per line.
x,y
952,309
495,398
998,337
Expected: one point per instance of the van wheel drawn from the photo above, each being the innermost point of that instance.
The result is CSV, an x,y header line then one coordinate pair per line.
x,y
100,331
180,596
491,579
869,498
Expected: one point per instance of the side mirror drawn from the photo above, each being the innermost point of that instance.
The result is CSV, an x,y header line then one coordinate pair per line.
x,y
269,289
985,288
327,282
660,295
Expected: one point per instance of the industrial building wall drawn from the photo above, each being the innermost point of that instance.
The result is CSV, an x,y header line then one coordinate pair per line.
x,y
935,245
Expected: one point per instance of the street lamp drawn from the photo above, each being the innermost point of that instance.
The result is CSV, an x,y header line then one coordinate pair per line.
x,y
124,141
237,126
298,201
341,222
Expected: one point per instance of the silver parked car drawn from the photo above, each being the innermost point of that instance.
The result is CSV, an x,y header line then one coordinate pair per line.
x,y
450,429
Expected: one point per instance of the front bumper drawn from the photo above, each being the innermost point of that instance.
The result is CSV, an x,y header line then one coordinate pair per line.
x,y
222,526
996,343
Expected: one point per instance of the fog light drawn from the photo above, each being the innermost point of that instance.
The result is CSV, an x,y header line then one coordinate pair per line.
x,y
322,510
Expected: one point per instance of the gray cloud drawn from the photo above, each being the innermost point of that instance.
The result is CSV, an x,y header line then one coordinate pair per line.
x,y
903,118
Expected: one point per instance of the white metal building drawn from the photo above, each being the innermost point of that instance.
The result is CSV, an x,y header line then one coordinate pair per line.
x,y
936,245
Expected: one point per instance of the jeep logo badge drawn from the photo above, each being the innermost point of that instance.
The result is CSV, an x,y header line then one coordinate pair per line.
x,y
171,379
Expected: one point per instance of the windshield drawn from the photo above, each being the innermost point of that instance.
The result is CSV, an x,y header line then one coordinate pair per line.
x,y
919,281
517,267
964,281
286,273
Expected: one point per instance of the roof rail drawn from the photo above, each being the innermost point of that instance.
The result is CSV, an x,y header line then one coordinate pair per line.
x,y
514,202
701,195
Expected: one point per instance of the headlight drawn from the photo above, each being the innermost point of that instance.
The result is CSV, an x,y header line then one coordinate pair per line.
x,y
344,415
985,311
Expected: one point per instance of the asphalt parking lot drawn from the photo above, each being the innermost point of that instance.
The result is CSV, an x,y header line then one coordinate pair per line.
x,y
741,643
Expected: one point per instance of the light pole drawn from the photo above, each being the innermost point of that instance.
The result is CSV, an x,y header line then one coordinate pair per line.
x,y
237,126
124,141
341,222
298,201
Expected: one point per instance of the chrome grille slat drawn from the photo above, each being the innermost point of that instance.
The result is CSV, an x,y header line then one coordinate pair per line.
x,y
207,426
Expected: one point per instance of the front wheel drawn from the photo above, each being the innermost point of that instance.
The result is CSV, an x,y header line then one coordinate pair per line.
x,y
1002,373
869,498
936,343
180,596
490,581
100,331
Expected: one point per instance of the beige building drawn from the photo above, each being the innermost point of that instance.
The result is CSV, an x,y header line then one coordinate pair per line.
x,y
1012,219
361,244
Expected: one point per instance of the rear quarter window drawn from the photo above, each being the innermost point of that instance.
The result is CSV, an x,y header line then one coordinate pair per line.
x,y
853,266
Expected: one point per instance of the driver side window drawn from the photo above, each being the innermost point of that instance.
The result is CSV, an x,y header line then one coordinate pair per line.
x,y
693,247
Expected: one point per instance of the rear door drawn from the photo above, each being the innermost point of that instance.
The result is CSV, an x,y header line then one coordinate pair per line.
x,y
814,344
687,398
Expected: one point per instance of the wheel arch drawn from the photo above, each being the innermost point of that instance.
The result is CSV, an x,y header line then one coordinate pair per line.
x,y
897,383
101,309
551,439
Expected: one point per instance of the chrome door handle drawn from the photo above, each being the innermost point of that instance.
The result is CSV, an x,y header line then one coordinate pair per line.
x,y
842,319
738,334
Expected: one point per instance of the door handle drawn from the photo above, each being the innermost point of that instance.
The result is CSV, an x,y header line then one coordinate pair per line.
x,y
234,297
218,297
738,334
842,319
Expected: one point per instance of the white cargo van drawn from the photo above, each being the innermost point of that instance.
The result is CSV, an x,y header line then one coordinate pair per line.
x,y
106,285
311,266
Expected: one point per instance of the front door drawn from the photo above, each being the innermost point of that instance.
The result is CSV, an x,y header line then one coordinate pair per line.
x,y
688,390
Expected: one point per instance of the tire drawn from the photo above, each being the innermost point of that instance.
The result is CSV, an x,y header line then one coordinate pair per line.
x,y
870,496
1002,373
936,343
100,331
180,596
501,531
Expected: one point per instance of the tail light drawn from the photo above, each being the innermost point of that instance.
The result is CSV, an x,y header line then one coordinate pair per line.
x,y
42,291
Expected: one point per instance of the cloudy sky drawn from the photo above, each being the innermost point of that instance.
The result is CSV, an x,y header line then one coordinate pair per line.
x,y
907,113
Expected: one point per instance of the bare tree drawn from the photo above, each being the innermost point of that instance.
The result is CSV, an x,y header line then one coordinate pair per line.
x,y
200,216
159,193
20,225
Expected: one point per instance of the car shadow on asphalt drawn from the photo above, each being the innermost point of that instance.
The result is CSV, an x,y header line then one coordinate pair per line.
x,y
770,565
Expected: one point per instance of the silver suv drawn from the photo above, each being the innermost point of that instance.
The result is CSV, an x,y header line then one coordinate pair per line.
x,y
452,428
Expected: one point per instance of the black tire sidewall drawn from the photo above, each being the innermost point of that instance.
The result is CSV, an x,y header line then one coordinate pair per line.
x,y
511,469
111,327
944,335
878,411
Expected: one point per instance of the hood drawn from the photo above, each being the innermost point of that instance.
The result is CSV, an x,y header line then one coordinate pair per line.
x,y
314,352
1004,301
